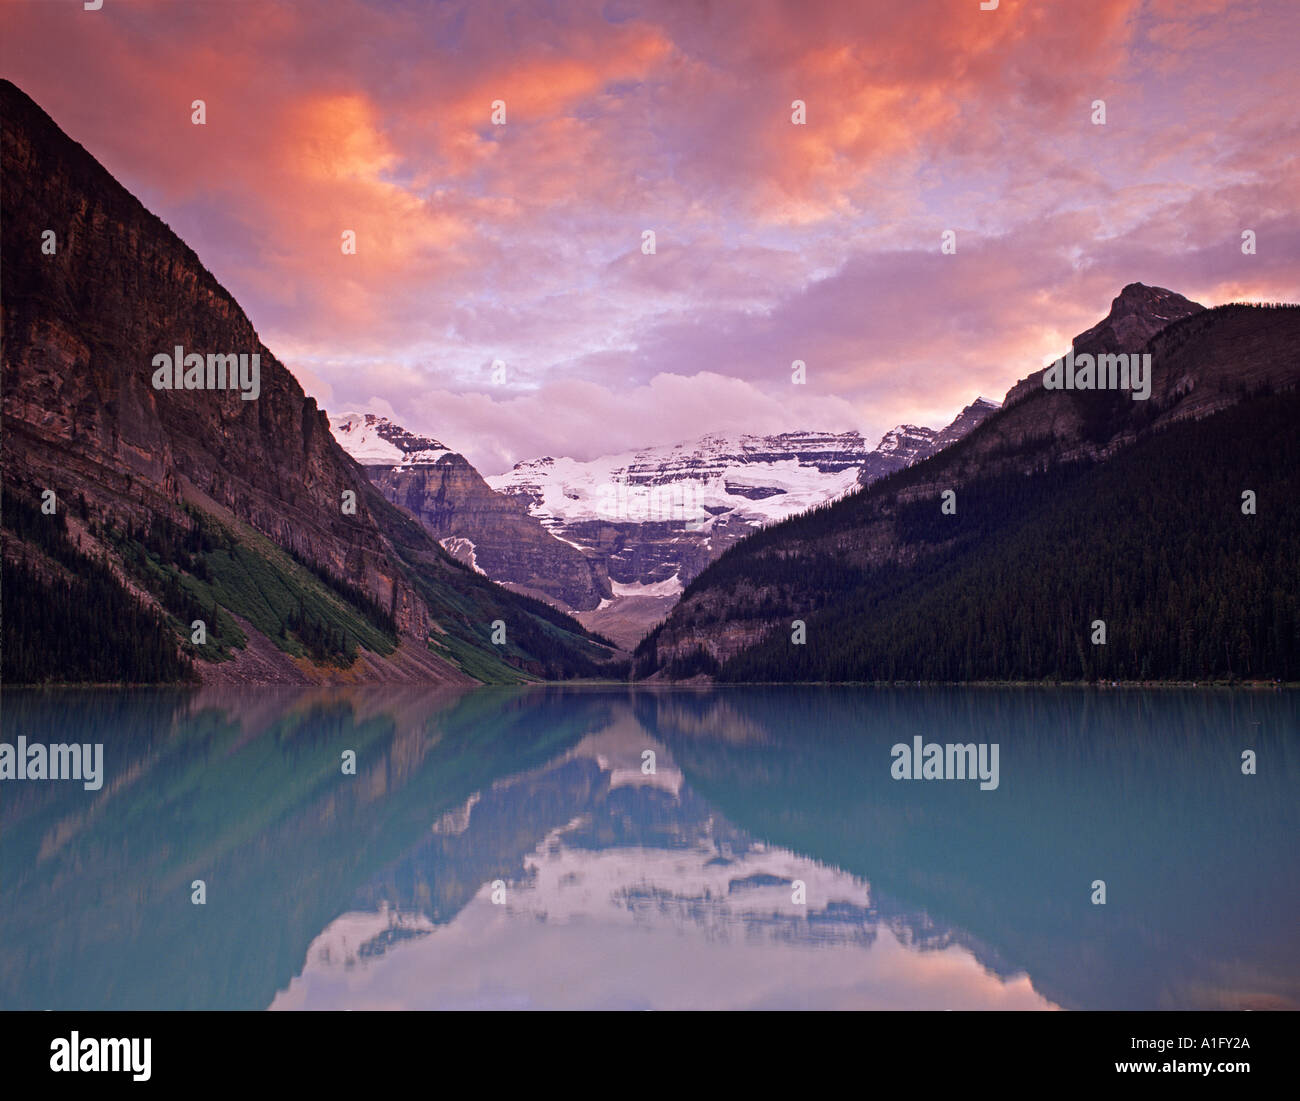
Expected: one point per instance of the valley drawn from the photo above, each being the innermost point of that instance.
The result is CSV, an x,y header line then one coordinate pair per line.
x,y
615,540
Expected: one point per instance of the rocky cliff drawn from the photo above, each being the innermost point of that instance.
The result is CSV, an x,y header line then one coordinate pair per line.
x,y
909,444
1136,314
95,287
488,531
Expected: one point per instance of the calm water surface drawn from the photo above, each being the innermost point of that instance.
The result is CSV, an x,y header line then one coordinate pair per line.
x,y
628,890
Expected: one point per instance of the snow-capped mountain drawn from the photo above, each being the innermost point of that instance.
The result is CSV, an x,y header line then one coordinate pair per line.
x,y
491,533
616,539
910,443
376,441
754,479
659,515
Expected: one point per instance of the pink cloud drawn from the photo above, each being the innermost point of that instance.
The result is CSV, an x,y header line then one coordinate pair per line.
x,y
775,241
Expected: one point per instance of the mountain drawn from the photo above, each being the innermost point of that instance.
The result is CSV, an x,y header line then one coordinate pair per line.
x,y
907,444
1070,507
376,441
1136,314
970,418
490,532
234,506
657,516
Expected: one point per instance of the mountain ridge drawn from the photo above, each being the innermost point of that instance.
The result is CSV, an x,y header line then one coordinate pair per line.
x,y
197,499
884,536
614,539
490,532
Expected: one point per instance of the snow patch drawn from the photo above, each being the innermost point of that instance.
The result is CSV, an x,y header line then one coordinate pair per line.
x,y
376,441
690,484
462,550
362,441
671,587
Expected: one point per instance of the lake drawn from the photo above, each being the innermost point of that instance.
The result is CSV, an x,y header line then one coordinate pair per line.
x,y
631,848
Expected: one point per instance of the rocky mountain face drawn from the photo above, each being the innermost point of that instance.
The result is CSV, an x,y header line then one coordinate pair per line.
x,y
658,516
1202,363
1136,314
96,287
908,444
1030,475
970,418
492,533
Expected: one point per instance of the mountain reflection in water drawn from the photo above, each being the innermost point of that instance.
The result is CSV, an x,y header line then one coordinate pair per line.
x,y
622,889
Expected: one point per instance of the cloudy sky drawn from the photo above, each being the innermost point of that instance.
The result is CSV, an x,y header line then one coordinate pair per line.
x,y
774,241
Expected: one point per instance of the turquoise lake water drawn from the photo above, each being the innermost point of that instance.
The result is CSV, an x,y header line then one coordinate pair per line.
x,y
517,848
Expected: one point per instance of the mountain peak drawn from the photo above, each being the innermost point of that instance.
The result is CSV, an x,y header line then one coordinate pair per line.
x,y
1136,314
376,441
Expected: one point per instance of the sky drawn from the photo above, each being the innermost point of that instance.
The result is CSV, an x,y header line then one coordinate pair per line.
x,y
521,243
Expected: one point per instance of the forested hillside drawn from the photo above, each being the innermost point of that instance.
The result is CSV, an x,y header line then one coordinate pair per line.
x,y
1129,514
1188,587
